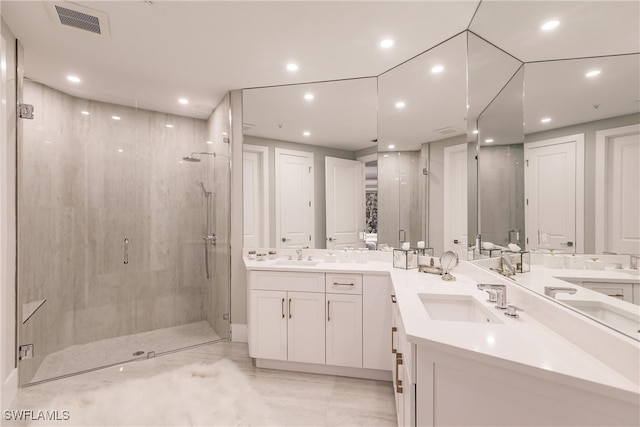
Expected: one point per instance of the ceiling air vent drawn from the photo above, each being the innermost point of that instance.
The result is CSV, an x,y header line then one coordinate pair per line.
x,y
448,131
83,18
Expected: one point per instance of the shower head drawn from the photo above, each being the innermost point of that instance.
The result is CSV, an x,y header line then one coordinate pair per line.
x,y
191,157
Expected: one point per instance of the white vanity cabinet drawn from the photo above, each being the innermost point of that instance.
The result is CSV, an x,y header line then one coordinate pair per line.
x,y
403,370
287,316
344,319
339,320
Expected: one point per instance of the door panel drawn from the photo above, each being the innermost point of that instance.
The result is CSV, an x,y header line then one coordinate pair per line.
x,y
455,194
550,182
251,201
294,199
344,192
344,330
269,325
306,341
623,190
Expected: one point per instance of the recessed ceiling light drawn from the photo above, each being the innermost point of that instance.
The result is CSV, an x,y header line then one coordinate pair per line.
x,y
386,155
545,120
292,67
400,104
169,125
475,132
84,113
391,146
550,25
386,43
48,142
115,117
209,142
488,140
183,101
73,79
437,69
308,96
120,150
306,133
225,133
592,73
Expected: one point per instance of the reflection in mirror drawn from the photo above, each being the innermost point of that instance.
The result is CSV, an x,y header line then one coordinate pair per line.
x,y
595,99
490,70
421,110
500,166
292,135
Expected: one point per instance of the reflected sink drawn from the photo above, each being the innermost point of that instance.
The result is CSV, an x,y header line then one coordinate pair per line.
x,y
625,321
290,262
457,308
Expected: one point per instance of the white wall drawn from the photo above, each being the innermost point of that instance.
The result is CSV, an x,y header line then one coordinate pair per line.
x,y
8,371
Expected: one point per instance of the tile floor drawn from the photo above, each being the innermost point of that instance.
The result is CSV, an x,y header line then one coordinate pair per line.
x,y
299,399
82,357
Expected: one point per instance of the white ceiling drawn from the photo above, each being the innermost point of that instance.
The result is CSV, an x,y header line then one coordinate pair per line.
x,y
199,50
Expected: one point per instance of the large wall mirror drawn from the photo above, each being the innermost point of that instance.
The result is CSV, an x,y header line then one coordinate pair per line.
x,y
310,165
499,131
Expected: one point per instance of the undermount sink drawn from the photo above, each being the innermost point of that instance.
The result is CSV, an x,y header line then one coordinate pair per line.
x,y
625,321
457,308
302,262
632,271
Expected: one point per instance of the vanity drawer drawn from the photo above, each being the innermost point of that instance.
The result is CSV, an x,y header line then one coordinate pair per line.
x,y
287,281
343,283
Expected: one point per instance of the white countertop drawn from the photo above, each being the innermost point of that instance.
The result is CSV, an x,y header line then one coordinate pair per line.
x,y
522,344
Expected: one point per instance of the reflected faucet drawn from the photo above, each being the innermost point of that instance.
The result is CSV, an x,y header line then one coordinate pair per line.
x,y
299,252
551,291
506,266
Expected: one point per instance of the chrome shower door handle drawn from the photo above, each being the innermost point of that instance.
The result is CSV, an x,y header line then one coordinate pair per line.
x,y
126,251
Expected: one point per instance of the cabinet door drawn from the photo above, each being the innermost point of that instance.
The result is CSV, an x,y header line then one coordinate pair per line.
x,y
376,324
306,338
623,291
344,330
268,325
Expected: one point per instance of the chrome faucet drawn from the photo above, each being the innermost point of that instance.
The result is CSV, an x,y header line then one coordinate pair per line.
x,y
551,291
500,291
299,252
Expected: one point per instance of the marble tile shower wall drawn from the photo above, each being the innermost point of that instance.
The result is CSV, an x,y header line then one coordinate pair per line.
x,y
87,182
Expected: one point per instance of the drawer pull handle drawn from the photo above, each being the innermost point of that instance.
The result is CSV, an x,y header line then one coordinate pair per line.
x,y
393,350
328,311
399,388
289,308
343,284
283,308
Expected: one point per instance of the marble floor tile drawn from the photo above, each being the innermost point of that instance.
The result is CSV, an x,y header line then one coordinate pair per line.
x,y
78,358
295,399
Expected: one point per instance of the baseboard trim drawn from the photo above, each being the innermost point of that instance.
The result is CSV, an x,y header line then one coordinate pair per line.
x,y
9,389
341,371
239,333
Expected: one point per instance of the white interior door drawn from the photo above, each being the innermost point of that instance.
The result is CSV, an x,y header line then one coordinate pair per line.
x,y
295,218
552,198
623,191
455,200
255,194
344,192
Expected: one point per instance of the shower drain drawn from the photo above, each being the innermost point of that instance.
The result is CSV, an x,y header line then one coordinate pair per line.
x,y
138,353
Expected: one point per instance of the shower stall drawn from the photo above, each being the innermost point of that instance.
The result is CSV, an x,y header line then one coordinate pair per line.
x,y
123,237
